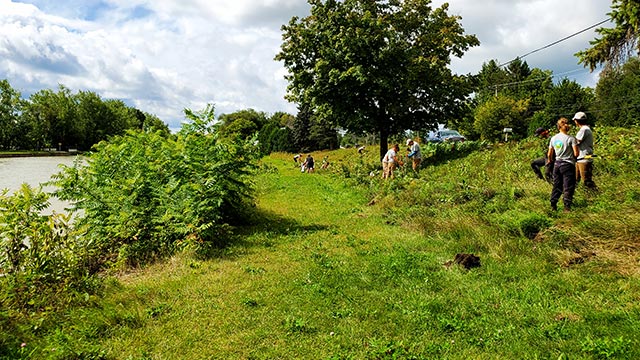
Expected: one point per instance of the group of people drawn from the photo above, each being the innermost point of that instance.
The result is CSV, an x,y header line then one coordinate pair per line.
x,y
567,160
308,164
391,159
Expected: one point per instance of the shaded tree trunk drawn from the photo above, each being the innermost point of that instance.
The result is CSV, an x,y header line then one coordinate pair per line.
x,y
384,138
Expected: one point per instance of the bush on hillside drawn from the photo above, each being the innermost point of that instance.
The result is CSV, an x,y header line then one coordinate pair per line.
x,y
40,255
143,196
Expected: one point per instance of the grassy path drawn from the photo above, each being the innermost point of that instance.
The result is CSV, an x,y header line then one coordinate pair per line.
x,y
268,296
324,276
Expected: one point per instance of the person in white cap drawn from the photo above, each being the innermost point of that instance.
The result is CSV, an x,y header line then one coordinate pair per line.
x,y
584,165
414,153
390,161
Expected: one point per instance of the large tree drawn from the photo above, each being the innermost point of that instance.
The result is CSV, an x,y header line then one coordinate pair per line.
x,y
10,107
376,65
616,44
618,95
242,124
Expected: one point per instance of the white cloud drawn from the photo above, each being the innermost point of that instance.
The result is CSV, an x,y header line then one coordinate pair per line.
x,y
163,56
508,29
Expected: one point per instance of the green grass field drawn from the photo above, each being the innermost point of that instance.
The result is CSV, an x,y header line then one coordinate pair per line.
x,y
341,265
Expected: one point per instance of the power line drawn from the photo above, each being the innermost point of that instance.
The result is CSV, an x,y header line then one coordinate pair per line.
x,y
556,42
542,78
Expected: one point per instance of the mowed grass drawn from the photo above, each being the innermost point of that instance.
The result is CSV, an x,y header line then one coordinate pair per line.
x,y
360,269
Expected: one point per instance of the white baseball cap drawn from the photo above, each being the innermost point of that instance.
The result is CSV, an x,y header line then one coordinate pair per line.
x,y
579,116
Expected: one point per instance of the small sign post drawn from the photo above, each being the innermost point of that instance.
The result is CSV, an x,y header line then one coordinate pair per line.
x,y
506,132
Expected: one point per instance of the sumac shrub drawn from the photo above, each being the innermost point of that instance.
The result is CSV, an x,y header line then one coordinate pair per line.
x,y
142,196
39,254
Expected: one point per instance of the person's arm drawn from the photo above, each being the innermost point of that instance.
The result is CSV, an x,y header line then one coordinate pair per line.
x,y
575,147
550,154
579,135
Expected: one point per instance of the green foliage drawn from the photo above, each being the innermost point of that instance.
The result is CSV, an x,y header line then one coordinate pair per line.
x,y
565,99
10,107
498,113
38,253
522,99
615,45
383,350
438,153
606,348
618,95
143,196
273,138
531,224
324,272
243,124
301,126
363,64
296,325
63,120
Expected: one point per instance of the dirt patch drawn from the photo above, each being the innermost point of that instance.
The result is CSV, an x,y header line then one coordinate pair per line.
x,y
468,261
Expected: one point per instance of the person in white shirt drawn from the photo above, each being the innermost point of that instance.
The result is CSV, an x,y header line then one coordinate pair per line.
x,y
390,161
414,153
584,166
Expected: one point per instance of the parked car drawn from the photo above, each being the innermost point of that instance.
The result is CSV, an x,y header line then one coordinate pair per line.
x,y
446,135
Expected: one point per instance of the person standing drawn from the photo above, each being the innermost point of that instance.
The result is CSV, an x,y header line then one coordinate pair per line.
x,y
309,164
566,151
389,162
541,162
414,153
584,165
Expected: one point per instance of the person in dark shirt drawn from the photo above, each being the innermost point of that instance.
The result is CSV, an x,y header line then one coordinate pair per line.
x,y
542,162
309,164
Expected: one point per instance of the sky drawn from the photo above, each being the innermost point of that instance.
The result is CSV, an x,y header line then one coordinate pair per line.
x,y
162,56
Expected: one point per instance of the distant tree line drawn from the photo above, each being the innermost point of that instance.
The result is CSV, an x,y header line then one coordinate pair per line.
x,y
63,120
521,98
281,131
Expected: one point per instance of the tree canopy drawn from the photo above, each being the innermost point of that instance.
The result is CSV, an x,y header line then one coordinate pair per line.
x,y
63,120
615,45
618,95
376,66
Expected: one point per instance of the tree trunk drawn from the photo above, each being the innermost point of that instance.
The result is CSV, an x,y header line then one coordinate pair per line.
x,y
384,138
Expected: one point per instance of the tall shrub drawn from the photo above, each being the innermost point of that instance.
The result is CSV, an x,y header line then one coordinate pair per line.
x,y
143,195
38,252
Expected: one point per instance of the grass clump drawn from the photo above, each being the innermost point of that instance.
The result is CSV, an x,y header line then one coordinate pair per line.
x,y
337,266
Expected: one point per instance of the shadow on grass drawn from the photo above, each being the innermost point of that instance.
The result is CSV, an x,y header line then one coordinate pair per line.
x,y
258,228
268,222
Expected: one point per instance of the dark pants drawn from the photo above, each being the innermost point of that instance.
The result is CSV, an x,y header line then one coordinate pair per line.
x,y
564,183
538,164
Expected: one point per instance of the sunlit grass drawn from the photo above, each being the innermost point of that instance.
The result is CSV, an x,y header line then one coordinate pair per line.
x,y
357,268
